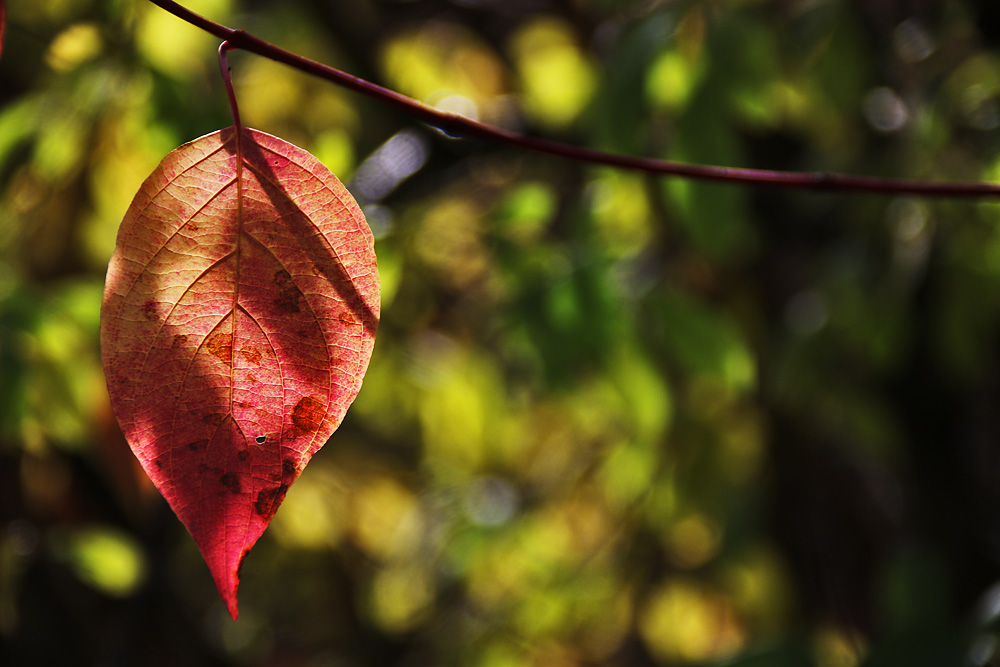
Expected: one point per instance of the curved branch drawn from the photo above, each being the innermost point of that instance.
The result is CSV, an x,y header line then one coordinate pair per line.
x,y
459,125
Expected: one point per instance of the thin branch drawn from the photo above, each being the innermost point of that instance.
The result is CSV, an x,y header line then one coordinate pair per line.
x,y
461,126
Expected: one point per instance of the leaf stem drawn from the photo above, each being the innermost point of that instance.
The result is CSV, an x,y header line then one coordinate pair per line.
x,y
224,68
459,125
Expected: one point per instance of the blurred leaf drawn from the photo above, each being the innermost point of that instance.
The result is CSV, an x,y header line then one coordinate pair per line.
x,y
74,46
618,109
556,79
107,559
672,79
174,47
447,66
704,342
18,122
399,597
40,404
388,521
684,621
621,212
713,215
313,515
525,211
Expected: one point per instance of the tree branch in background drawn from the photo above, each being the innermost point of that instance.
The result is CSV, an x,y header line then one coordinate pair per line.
x,y
461,126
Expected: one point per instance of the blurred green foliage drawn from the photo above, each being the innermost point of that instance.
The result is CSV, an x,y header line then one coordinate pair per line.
x,y
611,419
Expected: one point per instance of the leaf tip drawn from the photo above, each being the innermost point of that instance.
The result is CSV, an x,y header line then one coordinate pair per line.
x,y
227,581
228,589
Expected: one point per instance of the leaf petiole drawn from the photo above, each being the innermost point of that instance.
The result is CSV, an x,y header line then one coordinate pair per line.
x,y
224,68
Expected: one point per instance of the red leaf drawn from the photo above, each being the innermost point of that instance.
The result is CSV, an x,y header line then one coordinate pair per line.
x,y
3,22
238,320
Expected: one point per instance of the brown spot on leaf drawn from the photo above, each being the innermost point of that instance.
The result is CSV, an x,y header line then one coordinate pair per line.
x,y
197,445
251,378
268,500
179,340
243,455
221,345
214,419
158,463
347,317
243,404
288,294
232,482
308,413
149,310
251,354
288,468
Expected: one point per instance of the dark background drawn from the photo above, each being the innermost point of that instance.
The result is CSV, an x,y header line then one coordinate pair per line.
x,y
611,419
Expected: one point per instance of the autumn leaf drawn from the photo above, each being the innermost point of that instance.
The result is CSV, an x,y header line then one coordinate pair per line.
x,y
3,22
239,316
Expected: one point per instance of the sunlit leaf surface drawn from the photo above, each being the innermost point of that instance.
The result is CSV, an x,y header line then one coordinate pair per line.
x,y
239,316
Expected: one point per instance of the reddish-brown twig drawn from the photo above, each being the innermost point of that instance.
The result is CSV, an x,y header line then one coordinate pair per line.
x,y
461,126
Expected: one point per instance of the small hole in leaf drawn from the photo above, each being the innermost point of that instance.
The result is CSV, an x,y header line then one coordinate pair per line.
x,y
261,439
